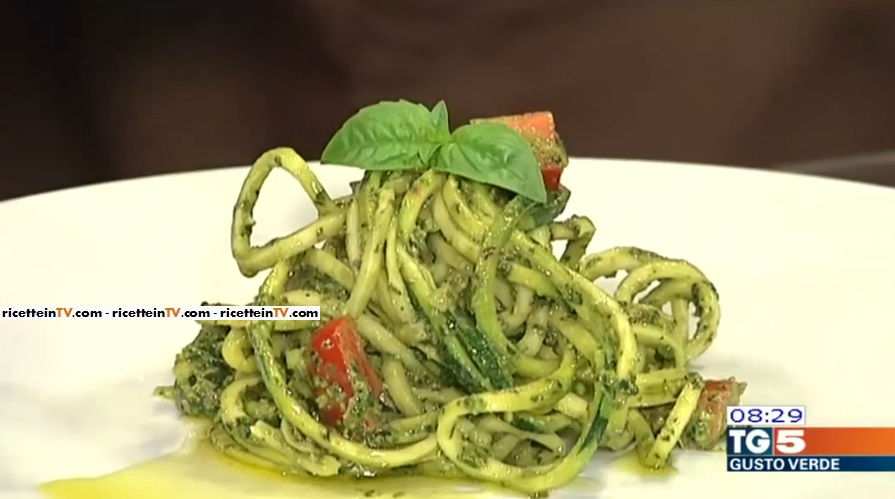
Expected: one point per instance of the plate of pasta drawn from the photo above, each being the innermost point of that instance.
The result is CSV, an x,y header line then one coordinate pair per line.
x,y
495,320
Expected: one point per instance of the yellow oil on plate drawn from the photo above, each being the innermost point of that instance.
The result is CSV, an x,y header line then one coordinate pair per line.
x,y
200,473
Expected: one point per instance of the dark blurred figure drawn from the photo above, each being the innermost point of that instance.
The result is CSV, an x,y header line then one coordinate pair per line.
x,y
94,91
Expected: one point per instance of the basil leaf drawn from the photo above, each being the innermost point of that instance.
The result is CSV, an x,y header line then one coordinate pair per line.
x,y
495,154
385,136
440,121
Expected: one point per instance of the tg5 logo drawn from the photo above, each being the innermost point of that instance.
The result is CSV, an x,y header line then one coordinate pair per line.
x,y
765,441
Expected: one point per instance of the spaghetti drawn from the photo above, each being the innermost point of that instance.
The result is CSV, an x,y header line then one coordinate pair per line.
x,y
464,347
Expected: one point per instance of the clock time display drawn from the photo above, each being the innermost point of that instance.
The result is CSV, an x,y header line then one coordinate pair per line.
x,y
766,415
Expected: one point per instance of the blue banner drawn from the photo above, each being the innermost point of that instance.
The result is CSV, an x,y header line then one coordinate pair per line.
x,y
810,463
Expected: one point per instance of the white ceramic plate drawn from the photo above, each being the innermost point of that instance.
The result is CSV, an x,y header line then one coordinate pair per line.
x,y
805,268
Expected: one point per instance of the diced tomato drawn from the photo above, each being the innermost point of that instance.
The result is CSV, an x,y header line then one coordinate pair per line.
x,y
340,354
707,424
536,125
717,395
552,175
539,129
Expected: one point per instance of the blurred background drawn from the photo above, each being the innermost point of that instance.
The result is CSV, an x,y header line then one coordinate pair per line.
x,y
94,91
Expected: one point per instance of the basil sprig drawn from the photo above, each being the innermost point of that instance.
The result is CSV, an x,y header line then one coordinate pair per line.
x,y
404,136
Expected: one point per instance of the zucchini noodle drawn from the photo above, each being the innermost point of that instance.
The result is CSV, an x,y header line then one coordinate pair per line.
x,y
500,361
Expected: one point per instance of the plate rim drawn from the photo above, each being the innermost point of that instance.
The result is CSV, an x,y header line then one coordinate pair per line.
x,y
696,166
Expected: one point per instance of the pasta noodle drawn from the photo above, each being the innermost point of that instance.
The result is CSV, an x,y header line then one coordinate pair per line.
x,y
499,361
